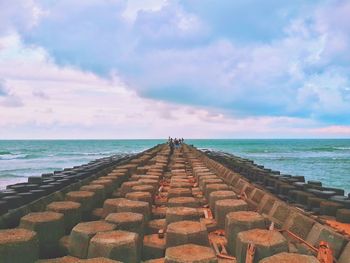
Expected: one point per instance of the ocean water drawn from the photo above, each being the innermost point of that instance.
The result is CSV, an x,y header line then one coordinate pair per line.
x,y
22,158
326,160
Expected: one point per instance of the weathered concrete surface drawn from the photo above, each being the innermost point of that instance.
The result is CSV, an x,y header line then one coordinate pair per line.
x,y
71,212
289,258
220,195
81,235
237,222
153,247
320,233
183,202
49,227
267,243
190,253
18,246
175,214
225,206
183,232
118,245
133,222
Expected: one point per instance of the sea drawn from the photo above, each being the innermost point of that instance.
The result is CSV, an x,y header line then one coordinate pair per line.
x,y
325,160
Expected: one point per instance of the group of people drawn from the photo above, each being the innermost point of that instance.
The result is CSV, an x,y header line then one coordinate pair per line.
x,y
176,142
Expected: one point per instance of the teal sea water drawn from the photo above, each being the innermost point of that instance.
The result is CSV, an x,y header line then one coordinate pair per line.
x,y
327,160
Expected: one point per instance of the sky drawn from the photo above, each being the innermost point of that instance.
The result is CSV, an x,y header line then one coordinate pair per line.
x,y
184,68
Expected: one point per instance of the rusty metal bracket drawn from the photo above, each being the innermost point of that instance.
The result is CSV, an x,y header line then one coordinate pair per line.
x,y
207,213
299,239
250,253
161,233
220,250
325,253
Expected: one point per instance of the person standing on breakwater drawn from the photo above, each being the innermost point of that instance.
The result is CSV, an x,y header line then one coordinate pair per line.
x,y
171,144
177,143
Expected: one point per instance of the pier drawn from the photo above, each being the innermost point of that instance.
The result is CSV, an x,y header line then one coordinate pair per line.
x,y
173,206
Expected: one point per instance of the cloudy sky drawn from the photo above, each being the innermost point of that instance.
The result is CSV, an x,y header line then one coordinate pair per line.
x,y
189,68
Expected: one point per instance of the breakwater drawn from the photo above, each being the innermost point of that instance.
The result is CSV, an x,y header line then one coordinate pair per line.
x,y
164,206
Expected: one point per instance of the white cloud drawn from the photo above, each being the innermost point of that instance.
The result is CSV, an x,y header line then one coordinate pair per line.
x,y
19,14
64,102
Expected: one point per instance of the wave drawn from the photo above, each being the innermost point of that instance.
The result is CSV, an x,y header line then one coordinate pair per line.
x,y
5,152
328,149
342,148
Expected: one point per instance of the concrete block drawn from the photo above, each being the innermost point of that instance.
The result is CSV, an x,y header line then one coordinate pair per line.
x,y
108,184
214,187
133,222
126,187
183,202
87,200
220,195
154,183
153,247
182,232
49,227
289,258
175,214
18,246
144,188
190,253
237,222
81,235
155,225
225,206
111,205
99,260
299,225
135,207
140,196
267,243
66,259
179,192
345,255
320,233
117,245
71,212
98,189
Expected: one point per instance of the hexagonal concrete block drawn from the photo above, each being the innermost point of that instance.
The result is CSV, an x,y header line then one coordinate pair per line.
x,y
179,192
140,196
153,247
241,221
225,206
111,205
183,202
183,232
49,227
126,187
144,188
155,225
190,253
18,246
82,233
87,200
71,212
135,207
98,189
267,243
175,214
117,245
289,258
133,222
209,188
220,195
